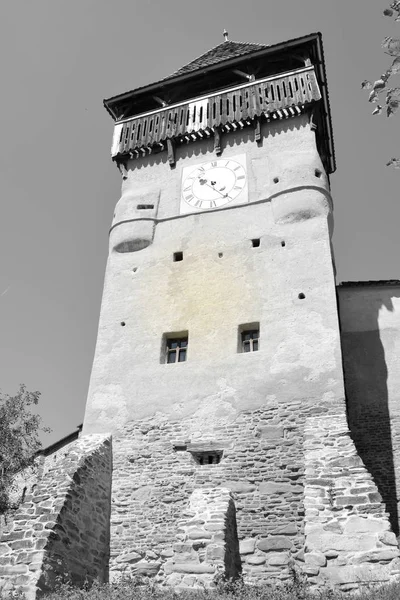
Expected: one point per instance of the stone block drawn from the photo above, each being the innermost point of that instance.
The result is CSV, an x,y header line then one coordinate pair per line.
x,y
351,500
278,542
278,559
381,554
146,568
215,553
193,567
355,573
256,560
333,526
317,559
132,557
355,524
323,541
388,538
247,546
214,526
199,534
289,529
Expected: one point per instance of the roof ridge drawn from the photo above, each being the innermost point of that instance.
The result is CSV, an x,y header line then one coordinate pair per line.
x,y
247,46
197,58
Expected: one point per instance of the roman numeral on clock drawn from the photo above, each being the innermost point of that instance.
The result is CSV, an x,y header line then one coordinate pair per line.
x,y
189,197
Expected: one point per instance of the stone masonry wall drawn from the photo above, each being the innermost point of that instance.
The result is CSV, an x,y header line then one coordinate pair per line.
x,y
207,543
62,527
348,537
156,473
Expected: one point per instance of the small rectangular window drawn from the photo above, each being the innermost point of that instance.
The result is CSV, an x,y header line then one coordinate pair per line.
x,y
249,337
207,458
178,256
145,206
175,349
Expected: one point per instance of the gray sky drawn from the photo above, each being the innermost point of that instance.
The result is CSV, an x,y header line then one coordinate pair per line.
x,y
59,60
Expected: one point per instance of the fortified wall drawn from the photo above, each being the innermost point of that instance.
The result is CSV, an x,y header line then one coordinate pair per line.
x,y
218,369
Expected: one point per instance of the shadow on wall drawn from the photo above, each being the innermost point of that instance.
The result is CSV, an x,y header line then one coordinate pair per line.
x,y
366,384
232,560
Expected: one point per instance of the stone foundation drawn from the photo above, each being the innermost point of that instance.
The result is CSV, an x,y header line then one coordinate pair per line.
x,y
348,536
274,490
62,527
157,475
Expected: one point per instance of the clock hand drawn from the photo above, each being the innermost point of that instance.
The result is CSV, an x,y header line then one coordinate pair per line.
x,y
215,190
203,181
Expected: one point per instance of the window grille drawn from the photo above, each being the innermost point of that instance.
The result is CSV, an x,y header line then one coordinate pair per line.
x,y
250,340
176,350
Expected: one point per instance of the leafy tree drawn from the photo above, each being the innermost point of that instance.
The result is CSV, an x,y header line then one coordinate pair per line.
x,y
381,87
19,438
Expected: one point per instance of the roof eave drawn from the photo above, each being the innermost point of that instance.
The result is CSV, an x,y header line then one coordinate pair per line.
x,y
153,87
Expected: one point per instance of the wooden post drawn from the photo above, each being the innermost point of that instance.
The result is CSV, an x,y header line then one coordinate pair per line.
x,y
171,152
121,164
217,141
257,128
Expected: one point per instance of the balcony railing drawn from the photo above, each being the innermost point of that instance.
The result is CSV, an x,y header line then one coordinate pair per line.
x,y
279,96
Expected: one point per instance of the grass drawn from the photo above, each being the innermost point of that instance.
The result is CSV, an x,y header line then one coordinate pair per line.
x,y
137,590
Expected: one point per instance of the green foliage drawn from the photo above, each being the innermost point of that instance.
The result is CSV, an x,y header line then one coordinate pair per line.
x,y
19,438
381,94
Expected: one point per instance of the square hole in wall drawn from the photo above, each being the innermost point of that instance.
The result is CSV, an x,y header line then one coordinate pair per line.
x,y
255,243
178,256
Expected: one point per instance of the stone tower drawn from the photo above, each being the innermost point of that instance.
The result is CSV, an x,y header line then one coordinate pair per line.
x,y
218,368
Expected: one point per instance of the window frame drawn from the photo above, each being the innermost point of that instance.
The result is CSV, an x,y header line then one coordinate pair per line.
x,y
249,329
181,341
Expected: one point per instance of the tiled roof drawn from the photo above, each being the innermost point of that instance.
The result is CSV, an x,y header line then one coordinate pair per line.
x,y
381,282
220,53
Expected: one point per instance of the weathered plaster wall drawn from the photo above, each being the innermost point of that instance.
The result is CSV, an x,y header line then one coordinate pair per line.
x,y
221,283
62,528
370,322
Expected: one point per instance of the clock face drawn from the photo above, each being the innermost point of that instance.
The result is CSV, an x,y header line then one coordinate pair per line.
x,y
213,184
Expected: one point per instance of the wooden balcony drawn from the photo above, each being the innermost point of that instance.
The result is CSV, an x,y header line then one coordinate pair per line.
x,y
277,97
